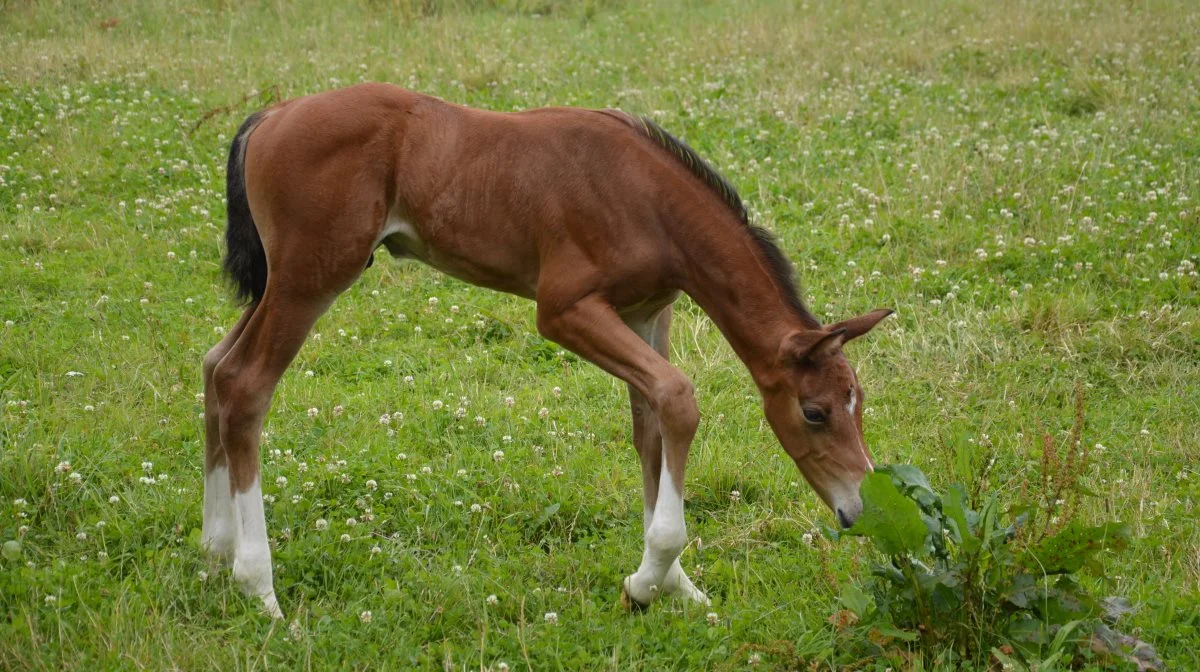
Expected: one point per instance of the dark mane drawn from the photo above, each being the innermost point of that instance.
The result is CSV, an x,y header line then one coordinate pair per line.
x,y
778,263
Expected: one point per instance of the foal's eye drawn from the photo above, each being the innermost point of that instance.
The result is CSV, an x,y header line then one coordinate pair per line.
x,y
814,416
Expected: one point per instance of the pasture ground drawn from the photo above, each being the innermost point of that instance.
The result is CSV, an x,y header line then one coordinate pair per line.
x,y
1019,179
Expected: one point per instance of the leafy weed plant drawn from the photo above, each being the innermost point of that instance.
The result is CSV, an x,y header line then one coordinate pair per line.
x,y
967,579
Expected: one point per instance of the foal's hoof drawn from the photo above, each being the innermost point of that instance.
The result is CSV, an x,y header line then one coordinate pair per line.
x,y
631,605
628,603
271,606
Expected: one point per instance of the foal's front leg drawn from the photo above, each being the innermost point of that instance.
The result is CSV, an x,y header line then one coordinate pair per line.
x,y
591,328
647,439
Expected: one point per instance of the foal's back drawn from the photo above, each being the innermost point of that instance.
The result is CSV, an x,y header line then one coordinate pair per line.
x,y
503,200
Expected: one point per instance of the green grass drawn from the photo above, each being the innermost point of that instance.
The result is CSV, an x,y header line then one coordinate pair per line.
x,y
1018,179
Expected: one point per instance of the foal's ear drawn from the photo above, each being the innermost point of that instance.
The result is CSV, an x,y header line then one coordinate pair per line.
x,y
811,344
857,326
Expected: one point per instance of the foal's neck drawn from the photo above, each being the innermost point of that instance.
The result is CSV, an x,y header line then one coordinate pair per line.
x,y
733,281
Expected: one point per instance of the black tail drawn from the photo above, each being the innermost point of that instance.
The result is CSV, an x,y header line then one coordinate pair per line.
x,y
245,260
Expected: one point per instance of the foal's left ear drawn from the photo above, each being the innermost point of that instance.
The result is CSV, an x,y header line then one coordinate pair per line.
x,y
857,326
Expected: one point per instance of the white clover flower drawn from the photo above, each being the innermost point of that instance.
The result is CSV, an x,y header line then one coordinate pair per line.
x,y
114,499
712,618
365,617
543,413
492,600
338,410
202,575
64,466
372,485
312,412
322,524
437,404
509,402
81,536
735,496
498,456
557,391
376,550
807,538
551,617
476,508
385,419
345,538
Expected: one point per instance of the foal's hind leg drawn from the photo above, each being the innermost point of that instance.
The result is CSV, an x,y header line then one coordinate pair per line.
x,y
245,381
218,536
647,438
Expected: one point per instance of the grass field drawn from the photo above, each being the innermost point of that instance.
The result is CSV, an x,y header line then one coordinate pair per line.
x,y
1018,179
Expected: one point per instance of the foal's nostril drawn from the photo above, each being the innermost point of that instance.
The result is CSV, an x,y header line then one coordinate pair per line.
x,y
844,520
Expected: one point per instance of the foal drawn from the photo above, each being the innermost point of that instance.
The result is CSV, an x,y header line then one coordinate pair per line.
x,y
602,218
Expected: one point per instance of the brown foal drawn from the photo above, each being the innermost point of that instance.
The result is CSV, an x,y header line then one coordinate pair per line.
x,y
602,218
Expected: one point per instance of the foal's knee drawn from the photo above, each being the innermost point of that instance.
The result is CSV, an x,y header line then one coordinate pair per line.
x,y
674,401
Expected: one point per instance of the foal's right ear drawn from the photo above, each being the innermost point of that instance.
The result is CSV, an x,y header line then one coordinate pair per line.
x,y
811,344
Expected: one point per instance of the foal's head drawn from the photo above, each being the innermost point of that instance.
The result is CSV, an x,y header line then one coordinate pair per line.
x,y
816,411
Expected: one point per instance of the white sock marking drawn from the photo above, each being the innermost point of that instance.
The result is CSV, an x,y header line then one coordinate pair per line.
x,y
252,559
665,538
218,534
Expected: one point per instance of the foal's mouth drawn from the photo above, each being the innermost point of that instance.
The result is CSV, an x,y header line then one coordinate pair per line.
x,y
844,520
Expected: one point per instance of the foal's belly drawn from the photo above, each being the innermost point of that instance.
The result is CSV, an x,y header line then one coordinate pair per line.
x,y
471,258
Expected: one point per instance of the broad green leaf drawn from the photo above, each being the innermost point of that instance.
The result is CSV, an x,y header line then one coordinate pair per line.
x,y
889,630
890,519
1022,591
911,481
854,599
954,507
907,475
